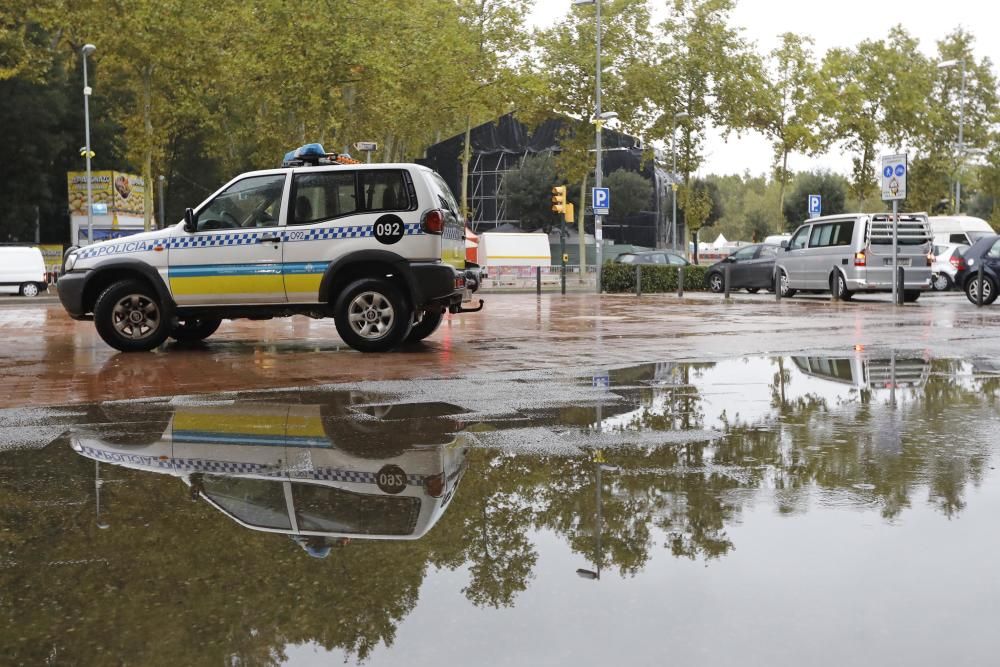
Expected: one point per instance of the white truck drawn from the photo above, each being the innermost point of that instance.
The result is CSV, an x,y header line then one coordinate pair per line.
x,y
497,249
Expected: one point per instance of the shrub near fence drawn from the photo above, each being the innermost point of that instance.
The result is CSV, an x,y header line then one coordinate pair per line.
x,y
655,278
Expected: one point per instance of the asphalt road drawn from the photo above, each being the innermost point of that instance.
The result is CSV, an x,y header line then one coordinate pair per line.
x,y
48,359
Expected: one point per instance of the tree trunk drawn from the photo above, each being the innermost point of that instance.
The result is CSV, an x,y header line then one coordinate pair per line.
x,y
147,162
582,241
466,157
784,183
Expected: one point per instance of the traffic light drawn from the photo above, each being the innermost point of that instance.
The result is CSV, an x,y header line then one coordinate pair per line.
x,y
559,199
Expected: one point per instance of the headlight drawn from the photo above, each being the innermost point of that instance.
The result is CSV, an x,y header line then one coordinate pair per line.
x,y
70,262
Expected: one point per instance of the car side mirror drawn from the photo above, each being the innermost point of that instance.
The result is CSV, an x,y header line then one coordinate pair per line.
x,y
784,245
190,224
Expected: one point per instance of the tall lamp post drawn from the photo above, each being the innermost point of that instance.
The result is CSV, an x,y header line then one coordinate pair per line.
x,y
961,143
86,51
673,177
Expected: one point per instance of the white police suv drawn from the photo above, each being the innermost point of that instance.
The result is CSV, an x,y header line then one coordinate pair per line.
x,y
378,247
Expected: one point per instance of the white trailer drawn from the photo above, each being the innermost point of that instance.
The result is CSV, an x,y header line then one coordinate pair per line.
x,y
497,249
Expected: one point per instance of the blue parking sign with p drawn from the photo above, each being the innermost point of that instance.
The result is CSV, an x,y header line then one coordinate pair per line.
x,y
815,206
602,200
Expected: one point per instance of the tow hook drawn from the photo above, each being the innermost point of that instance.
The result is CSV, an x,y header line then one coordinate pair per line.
x,y
459,309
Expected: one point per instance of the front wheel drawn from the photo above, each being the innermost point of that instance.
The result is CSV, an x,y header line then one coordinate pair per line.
x,y
432,320
371,315
129,317
753,290
194,330
786,291
29,289
941,282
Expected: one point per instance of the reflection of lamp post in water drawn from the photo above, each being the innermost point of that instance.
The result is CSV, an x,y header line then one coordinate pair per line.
x,y
98,483
590,574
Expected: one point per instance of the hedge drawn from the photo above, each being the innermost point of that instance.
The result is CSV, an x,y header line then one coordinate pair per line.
x,y
655,278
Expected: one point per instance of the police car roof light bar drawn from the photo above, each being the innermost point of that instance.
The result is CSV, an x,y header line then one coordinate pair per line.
x,y
314,155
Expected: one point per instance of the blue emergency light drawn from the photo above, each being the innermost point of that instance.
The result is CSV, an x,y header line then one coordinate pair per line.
x,y
313,154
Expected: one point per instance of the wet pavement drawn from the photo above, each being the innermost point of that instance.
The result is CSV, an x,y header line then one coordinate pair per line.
x,y
826,507
48,359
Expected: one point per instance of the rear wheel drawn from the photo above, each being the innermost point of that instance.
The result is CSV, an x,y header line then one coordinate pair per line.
x,y
941,282
371,315
194,330
989,289
29,289
753,290
129,317
911,295
716,283
428,325
838,286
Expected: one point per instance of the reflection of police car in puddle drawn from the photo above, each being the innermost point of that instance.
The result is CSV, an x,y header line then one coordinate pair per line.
x,y
314,472
379,248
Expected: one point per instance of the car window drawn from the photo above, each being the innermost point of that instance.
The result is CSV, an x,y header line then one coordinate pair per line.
x,y
384,190
656,258
446,199
323,195
768,251
822,235
799,240
843,233
958,238
250,202
744,254
333,510
994,251
675,260
627,259
256,502
940,249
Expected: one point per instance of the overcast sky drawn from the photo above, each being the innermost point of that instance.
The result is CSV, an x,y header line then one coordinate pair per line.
x,y
830,24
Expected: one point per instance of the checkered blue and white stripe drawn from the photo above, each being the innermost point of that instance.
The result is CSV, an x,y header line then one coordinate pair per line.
x,y
352,476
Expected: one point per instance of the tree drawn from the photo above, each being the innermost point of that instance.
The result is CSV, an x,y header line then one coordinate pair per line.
x,y
529,193
831,187
696,203
631,193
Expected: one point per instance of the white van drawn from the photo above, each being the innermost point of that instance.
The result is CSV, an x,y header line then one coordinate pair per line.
x,y
22,271
960,229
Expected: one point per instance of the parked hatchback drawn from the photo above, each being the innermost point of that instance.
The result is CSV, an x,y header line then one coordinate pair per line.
x,y
946,261
986,253
847,254
750,268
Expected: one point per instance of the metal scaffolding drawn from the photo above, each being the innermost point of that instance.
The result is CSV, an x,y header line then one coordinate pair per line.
x,y
487,199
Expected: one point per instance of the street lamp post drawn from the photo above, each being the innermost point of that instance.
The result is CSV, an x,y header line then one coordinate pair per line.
x,y
86,51
961,142
599,167
673,178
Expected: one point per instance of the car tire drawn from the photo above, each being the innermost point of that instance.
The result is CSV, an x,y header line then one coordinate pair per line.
x,y
371,315
716,282
989,289
29,289
129,316
838,286
786,291
428,325
911,295
941,282
195,329
753,290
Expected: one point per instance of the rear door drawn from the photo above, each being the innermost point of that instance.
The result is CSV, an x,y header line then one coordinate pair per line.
x,y
739,268
760,269
793,259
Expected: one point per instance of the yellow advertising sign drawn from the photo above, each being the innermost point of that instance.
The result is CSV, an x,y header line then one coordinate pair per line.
x,y
118,192
52,255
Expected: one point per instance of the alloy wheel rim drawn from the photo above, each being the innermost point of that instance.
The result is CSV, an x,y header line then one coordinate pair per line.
x,y
370,315
136,316
717,283
30,290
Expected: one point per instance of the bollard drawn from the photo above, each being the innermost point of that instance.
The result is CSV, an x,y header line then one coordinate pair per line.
x,y
900,282
638,280
777,285
834,286
562,279
979,287
538,280
726,279
680,281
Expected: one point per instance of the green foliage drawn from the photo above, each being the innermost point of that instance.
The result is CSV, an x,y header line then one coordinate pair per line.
x,y
529,193
831,187
630,193
655,278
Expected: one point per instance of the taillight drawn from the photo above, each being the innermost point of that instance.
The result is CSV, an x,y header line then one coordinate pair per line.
x,y
957,262
433,221
860,259
434,485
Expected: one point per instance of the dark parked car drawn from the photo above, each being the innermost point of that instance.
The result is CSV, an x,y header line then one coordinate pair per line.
x,y
985,251
659,257
750,268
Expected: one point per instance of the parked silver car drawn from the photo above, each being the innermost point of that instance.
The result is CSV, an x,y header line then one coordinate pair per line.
x,y
846,254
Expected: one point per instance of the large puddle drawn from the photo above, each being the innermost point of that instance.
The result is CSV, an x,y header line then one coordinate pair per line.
x,y
830,509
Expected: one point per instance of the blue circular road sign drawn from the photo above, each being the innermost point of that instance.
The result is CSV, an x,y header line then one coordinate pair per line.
x,y
887,172
900,170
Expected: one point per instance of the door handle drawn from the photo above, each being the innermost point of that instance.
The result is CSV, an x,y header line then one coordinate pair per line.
x,y
269,239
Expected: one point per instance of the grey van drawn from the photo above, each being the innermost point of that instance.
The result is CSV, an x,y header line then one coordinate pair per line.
x,y
847,254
